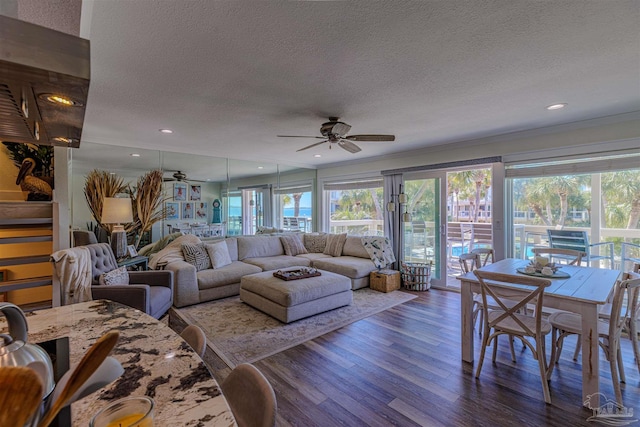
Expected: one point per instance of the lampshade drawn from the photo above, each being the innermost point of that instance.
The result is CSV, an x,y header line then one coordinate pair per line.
x,y
406,217
116,210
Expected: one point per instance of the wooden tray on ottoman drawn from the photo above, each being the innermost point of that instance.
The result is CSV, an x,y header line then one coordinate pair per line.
x,y
294,274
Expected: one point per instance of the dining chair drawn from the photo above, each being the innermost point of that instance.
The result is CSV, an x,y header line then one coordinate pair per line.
x,y
195,337
510,320
609,332
486,256
250,397
570,256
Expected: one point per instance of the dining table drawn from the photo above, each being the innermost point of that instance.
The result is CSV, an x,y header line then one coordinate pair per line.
x,y
157,363
582,292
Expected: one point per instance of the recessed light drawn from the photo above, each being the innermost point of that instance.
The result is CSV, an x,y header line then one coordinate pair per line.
x,y
112,173
260,167
60,100
64,140
317,155
166,131
556,106
135,155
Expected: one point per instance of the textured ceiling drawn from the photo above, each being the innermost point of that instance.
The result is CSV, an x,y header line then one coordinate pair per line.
x,y
228,76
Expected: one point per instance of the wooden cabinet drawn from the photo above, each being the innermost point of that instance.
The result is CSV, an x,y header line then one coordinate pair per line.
x,y
26,243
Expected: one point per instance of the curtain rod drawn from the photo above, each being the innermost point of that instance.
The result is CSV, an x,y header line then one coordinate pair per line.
x,y
446,165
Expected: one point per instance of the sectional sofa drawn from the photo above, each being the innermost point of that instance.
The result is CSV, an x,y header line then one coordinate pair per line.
x,y
254,254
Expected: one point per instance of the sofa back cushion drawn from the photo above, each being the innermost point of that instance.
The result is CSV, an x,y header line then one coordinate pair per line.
x,y
232,245
353,247
259,246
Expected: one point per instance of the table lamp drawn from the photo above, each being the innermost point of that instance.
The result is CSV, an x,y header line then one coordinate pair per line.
x,y
117,211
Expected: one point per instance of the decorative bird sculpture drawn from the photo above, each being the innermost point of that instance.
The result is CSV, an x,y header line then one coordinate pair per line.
x,y
37,187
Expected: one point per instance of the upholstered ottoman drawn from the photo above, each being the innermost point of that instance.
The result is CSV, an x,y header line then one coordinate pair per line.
x,y
289,300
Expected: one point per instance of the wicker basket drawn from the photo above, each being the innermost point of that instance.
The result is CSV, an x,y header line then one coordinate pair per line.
x,y
416,276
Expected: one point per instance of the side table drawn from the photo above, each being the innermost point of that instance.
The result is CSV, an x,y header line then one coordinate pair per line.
x,y
137,263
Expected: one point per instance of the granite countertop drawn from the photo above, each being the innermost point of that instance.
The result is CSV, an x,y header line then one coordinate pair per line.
x,y
156,361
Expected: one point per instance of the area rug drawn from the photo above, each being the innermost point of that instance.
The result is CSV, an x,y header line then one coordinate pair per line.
x,y
238,333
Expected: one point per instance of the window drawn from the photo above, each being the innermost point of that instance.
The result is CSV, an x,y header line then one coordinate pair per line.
x,y
600,196
355,207
294,208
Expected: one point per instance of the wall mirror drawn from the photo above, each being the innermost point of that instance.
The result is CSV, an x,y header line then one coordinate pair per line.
x,y
204,194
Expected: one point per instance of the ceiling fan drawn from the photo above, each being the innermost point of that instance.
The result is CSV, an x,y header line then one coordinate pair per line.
x,y
335,132
179,176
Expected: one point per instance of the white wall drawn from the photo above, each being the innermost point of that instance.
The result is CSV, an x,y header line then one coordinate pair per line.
x,y
595,136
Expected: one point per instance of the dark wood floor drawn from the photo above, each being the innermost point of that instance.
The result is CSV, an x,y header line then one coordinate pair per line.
x,y
403,367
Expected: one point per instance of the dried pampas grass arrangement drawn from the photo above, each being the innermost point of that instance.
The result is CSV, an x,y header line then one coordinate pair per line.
x,y
98,185
148,199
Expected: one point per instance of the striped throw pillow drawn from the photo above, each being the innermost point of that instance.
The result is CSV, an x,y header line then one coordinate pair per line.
x,y
197,255
292,244
335,243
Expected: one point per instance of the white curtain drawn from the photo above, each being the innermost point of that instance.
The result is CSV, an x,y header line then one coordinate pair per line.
x,y
392,224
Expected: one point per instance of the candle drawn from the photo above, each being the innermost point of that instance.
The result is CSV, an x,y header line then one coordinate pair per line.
x,y
132,420
542,260
127,412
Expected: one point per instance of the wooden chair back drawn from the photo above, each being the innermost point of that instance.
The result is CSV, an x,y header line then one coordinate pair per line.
x,y
486,256
469,262
507,289
572,256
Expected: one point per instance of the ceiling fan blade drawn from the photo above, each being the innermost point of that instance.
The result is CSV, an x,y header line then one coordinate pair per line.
x,y
371,138
341,128
298,136
349,146
168,179
313,145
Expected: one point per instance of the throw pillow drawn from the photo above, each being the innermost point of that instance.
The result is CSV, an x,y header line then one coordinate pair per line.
x,y
315,243
335,243
196,255
219,254
173,251
292,244
119,276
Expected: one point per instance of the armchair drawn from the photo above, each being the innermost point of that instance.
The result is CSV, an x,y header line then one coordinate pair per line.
x,y
148,291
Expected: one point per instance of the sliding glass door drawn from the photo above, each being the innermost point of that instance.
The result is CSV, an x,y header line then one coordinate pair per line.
x,y
423,226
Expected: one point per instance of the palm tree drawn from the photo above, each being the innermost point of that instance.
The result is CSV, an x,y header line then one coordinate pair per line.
x,y
622,189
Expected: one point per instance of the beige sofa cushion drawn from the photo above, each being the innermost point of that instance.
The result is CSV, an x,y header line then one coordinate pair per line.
x,y
352,267
353,247
277,262
313,256
259,246
226,275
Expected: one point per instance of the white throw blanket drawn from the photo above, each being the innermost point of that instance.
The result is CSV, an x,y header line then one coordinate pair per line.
x,y
379,250
73,268
173,251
